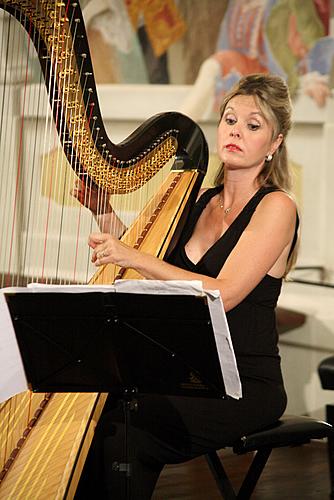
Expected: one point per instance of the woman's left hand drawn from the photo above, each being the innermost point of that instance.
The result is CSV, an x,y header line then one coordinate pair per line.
x,y
108,249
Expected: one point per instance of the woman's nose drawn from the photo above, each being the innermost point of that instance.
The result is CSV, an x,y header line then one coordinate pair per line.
x,y
234,133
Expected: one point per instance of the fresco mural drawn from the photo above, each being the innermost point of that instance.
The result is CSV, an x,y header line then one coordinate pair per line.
x,y
286,37
131,41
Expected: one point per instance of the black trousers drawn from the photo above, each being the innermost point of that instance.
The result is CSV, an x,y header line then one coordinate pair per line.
x,y
165,430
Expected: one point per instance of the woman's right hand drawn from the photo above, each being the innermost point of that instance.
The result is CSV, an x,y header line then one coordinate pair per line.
x,y
97,200
92,197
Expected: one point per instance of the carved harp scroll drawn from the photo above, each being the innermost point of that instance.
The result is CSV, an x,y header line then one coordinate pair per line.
x,y
44,438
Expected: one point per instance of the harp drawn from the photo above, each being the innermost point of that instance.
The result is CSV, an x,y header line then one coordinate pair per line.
x,y
45,437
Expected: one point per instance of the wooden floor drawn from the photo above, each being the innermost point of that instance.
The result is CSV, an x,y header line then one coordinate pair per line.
x,y
299,473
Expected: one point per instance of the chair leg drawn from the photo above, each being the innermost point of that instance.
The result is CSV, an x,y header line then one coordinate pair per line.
x,y
330,441
218,472
254,473
250,480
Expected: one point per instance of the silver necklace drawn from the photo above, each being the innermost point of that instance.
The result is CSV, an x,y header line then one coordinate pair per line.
x,y
227,210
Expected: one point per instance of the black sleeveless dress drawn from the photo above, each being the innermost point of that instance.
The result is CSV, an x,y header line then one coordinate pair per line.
x,y
167,429
252,323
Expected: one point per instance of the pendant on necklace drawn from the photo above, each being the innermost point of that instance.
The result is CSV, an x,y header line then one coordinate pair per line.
x,y
226,210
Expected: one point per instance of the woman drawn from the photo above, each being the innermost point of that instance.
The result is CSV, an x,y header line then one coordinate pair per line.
x,y
239,239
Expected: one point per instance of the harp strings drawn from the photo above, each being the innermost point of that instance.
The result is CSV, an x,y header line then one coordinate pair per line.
x,y
41,213
45,228
5,179
12,156
49,230
33,101
31,214
61,62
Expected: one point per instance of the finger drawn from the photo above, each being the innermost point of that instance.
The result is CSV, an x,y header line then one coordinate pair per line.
x,y
95,239
100,237
92,243
99,258
96,255
100,251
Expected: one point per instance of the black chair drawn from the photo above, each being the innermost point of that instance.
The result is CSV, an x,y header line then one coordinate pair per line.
x,y
288,431
326,373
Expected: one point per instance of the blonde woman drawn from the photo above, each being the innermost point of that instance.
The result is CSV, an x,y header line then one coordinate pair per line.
x,y
240,239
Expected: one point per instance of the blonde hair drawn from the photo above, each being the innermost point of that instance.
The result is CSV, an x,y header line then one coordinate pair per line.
x,y
273,98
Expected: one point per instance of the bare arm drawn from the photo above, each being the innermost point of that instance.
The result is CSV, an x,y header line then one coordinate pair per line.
x,y
262,248
98,202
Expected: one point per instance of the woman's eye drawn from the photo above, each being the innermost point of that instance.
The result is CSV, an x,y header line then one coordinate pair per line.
x,y
253,126
229,120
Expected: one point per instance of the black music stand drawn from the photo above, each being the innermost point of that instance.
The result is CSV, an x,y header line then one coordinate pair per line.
x,y
111,342
121,343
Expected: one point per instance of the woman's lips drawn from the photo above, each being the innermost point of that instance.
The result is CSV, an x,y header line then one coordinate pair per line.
x,y
232,147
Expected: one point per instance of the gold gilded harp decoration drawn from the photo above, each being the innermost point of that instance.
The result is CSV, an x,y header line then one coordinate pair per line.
x,y
81,134
44,438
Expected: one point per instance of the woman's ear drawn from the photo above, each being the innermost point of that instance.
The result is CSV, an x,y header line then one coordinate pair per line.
x,y
276,143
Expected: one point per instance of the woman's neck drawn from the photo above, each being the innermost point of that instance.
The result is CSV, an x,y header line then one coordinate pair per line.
x,y
239,182
238,191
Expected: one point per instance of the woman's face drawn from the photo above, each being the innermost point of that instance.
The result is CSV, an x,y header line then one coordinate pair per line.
x,y
244,135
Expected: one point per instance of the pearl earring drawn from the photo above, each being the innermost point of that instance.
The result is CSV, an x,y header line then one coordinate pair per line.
x,y
269,157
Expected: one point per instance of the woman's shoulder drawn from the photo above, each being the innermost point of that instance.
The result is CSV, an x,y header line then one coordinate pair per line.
x,y
278,199
277,206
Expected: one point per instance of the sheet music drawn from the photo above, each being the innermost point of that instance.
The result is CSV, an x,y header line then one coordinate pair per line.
x,y
12,376
12,364
224,344
221,330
